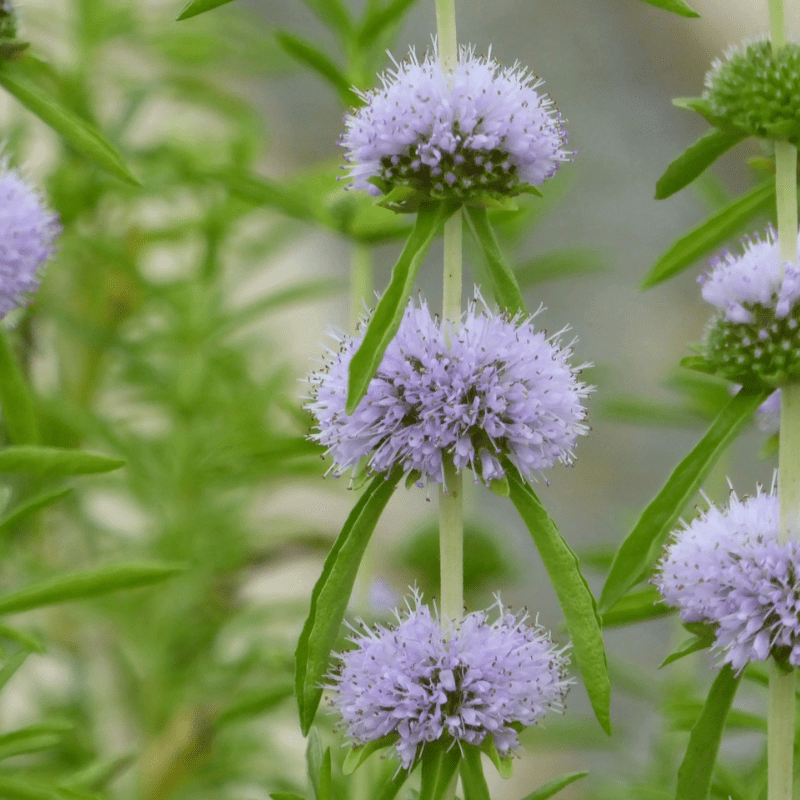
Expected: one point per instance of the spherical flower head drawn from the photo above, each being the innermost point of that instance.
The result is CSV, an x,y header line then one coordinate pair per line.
x,y
757,92
728,569
756,337
27,233
482,131
423,683
495,387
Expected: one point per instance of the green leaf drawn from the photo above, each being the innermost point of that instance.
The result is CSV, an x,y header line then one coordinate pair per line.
x,y
692,645
711,233
555,786
55,461
195,7
637,607
30,506
504,285
250,704
11,665
285,796
438,770
389,311
504,765
639,550
574,595
694,775
472,780
559,264
332,592
334,14
319,767
16,404
695,160
356,756
32,739
78,133
86,584
376,22
320,63
393,782
675,6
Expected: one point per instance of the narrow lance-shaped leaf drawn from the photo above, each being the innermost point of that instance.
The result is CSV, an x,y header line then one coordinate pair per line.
x,y
318,763
334,14
195,7
504,284
85,138
30,506
16,405
375,23
574,595
695,160
332,592
55,461
472,778
438,770
389,312
694,775
554,786
638,552
675,6
637,607
86,584
728,221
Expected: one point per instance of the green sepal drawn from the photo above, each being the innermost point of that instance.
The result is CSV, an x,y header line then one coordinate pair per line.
x,y
698,364
356,756
499,486
785,130
403,200
491,200
503,764
699,106
381,183
527,188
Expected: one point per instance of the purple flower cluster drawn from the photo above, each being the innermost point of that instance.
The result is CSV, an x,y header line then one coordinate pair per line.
x,y
494,387
461,684
483,128
27,233
728,569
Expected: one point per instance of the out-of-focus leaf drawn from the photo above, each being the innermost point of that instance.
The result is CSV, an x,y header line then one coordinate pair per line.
x,y
11,665
574,595
637,607
16,405
55,461
711,233
554,786
638,551
559,264
675,6
376,22
30,506
78,133
389,312
30,642
694,775
97,775
86,584
32,739
643,412
285,796
332,592
334,14
695,160
252,703
319,62
195,7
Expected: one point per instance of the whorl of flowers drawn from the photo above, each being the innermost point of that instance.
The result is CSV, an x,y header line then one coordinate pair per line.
x,y
482,130
494,387
728,569
756,338
460,684
27,233
756,91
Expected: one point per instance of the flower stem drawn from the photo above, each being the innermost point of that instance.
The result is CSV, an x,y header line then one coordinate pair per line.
x,y
780,732
446,34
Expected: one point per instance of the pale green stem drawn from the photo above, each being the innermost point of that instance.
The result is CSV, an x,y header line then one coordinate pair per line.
x,y
781,718
446,34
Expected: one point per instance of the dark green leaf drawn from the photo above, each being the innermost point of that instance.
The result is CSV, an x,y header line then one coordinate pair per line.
x,y
694,775
711,233
637,607
559,264
78,133
16,404
332,592
55,461
390,309
574,595
504,285
695,160
638,552
376,22
438,770
555,786
195,7
32,739
393,782
30,506
320,63
86,584
472,780
675,6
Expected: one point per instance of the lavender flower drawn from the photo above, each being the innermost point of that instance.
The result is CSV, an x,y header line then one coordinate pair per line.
x,y
460,684
496,387
756,338
727,569
482,130
27,233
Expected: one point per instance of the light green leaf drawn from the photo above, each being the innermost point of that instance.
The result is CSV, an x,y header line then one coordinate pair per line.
x,y
195,7
332,592
55,461
711,233
394,781
504,765
319,766
376,22
11,665
472,779
356,756
559,264
694,775
32,739
555,786
693,645
80,585
574,595
16,404
334,14
438,770
695,160
675,6
30,506
639,550
504,285
250,704
389,312
78,133
637,607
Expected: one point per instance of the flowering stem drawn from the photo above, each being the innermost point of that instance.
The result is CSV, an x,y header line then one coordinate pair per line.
x,y
360,281
780,732
446,34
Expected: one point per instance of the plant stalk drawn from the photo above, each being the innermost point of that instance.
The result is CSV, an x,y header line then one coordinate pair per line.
x,y
446,34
